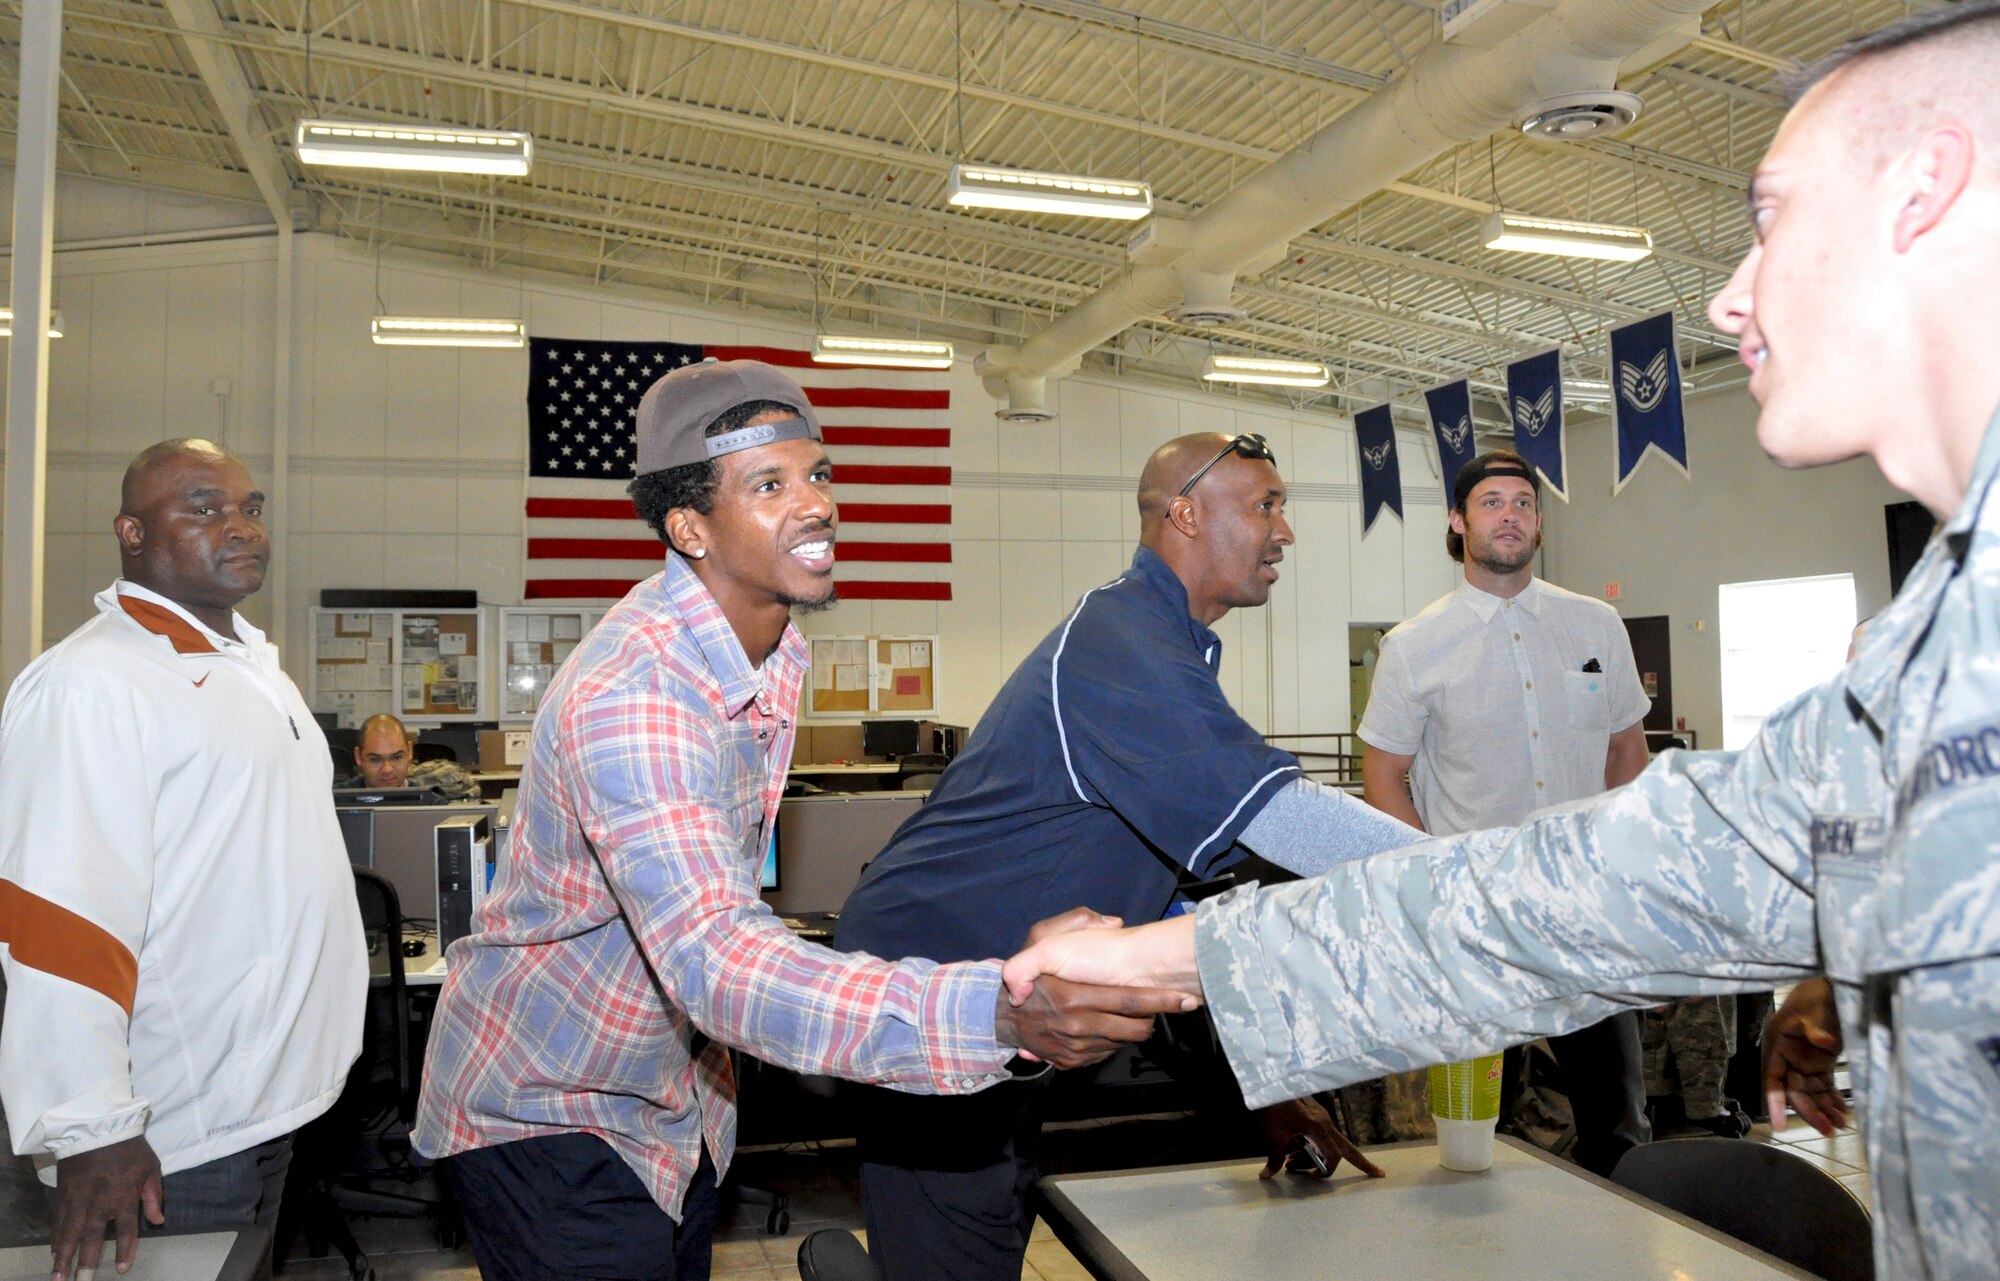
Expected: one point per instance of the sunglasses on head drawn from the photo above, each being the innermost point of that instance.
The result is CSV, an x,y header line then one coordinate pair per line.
x,y
1245,446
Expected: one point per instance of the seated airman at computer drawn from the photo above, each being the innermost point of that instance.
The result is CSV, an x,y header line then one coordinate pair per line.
x,y
384,757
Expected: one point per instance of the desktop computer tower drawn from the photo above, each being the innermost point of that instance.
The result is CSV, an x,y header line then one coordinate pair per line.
x,y
407,844
464,849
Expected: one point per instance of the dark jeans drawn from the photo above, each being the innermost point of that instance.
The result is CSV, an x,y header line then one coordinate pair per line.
x,y
1604,1075
231,1191
944,1180
566,1206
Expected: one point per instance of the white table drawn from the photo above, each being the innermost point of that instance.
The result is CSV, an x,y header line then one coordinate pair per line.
x,y
1530,1216
195,1256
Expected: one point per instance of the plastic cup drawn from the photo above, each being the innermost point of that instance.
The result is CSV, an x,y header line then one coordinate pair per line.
x,y
1465,1103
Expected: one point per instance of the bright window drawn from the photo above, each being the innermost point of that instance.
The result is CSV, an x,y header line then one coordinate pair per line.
x,y
1779,639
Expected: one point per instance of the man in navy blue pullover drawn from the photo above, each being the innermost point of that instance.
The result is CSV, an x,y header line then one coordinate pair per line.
x,y
1109,764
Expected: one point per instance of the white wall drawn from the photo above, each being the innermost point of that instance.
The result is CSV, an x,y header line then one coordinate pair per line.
x,y
407,463
1670,542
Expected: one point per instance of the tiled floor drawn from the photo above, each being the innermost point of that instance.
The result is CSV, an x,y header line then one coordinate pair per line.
x,y
820,1184
1839,1154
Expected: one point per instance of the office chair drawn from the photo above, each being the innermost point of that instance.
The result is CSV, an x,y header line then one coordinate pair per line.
x,y
349,1161
918,771
1760,1194
832,1254
422,752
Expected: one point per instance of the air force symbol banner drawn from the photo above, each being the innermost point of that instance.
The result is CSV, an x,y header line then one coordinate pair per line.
x,y
1646,395
1381,477
1451,423
1535,402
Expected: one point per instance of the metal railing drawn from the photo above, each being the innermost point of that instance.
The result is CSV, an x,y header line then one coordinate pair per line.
x,y
1333,758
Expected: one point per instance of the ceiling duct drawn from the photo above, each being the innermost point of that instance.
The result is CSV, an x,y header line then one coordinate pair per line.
x,y
1023,397
1205,299
1451,94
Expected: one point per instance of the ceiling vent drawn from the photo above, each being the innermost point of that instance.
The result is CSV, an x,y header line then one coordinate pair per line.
x,y
1206,303
1568,117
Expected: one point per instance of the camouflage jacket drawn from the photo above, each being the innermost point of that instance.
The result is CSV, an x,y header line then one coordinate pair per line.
x,y
1858,835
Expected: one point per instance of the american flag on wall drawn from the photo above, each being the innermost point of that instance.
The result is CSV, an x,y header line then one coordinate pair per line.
x,y
885,432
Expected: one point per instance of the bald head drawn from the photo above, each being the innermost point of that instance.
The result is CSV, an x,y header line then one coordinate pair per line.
x,y
1168,469
155,463
384,751
1224,538
190,527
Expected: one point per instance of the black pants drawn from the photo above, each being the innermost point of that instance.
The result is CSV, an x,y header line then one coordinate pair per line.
x,y
1605,1078
567,1206
944,1180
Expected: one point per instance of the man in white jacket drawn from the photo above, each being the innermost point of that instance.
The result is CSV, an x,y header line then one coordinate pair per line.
x,y
178,928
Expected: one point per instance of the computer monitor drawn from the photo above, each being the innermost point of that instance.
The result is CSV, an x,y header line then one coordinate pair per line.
x,y
890,738
387,796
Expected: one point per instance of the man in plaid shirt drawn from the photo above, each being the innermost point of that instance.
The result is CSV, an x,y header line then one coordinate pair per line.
x,y
578,1075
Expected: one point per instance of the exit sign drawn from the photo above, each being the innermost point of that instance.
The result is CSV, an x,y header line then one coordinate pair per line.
x,y
1612,591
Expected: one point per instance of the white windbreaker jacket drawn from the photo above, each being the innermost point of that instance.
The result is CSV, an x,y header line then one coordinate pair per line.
x,y
178,927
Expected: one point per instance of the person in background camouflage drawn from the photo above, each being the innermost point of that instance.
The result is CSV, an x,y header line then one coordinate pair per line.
x,y
1688,1044
1858,834
383,757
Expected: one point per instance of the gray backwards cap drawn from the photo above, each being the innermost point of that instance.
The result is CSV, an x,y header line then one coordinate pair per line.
x,y
678,409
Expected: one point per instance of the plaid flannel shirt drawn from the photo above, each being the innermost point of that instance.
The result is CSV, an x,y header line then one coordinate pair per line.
x,y
625,944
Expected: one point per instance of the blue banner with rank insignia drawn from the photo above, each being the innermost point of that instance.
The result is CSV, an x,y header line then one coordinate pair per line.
x,y
1381,476
1646,396
1535,403
1451,423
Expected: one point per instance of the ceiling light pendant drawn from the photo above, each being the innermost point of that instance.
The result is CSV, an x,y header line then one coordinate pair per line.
x,y
1264,369
902,353
987,187
447,331
1569,239
7,322
431,148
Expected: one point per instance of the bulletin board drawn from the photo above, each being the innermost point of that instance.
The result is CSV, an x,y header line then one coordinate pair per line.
x,y
417,664
533,644
353,666
872,675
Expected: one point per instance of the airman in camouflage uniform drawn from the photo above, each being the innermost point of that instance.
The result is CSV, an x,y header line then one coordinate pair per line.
x,y
1858,834
1687,1045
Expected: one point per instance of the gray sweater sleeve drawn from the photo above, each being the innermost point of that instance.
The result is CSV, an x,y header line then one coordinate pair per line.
x,y
1309,827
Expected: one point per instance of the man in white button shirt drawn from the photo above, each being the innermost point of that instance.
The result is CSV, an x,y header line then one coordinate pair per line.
x,y
1501,698
178,926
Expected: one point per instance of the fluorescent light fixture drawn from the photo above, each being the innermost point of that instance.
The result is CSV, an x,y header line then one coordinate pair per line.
x,y
904,353
1263,369
431,148
985,187
1569,239
447,331
7,322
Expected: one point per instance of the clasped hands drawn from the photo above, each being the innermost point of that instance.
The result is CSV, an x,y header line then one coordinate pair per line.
x,y
1082,986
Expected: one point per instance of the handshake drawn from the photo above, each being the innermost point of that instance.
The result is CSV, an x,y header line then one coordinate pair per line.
x,y
1082,986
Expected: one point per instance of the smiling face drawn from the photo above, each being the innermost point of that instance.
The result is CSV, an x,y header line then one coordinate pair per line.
x,y
766,546
192,529
1813,302
1501,525
1240,506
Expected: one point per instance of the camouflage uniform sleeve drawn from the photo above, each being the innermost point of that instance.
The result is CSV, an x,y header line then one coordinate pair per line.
x,y
1695,878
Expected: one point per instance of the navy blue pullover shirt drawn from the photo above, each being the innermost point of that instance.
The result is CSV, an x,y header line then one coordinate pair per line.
x,y
1109,758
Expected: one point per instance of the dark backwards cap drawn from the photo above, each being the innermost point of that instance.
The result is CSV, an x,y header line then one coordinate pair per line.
x,y
677,410
1498,462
